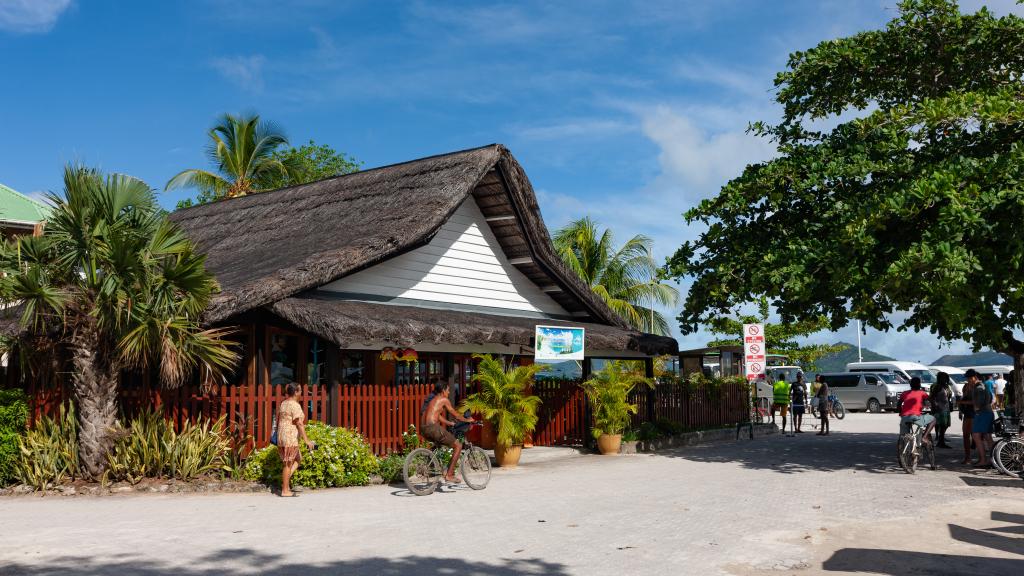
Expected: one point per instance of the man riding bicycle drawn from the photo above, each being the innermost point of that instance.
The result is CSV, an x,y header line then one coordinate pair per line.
x,y
435,425
911,410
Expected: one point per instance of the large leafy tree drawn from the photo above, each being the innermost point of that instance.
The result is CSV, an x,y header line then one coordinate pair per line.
x,y
625,277
311,162
904,214
242,148
114,285
779,338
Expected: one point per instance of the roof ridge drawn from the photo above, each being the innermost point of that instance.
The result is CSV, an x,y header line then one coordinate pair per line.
x,y
339,176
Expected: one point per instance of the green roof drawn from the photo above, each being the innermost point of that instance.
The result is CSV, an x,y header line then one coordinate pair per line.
x,y
17,207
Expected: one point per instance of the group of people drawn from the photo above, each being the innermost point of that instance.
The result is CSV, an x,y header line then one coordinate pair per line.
x,y
977,407
797,395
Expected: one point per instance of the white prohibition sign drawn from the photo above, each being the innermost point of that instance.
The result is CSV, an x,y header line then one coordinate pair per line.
x,y
755,367
755,349
753,330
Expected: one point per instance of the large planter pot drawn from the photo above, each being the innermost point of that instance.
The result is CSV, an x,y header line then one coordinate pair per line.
x,y
508,457
608,444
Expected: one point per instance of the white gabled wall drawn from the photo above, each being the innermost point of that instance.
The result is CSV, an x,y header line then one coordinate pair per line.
x,y
463,264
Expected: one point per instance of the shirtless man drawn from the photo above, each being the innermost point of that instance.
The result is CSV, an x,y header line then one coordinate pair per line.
x,y
435,425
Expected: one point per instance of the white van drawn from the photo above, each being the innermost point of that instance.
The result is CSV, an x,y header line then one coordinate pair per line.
x,y
958,376
986,371
871,391
905,370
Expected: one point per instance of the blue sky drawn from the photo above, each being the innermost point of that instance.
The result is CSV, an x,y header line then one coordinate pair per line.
x,y
630,112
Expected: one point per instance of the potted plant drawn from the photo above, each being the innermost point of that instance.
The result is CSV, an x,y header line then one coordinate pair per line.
x,y
608,391
504,401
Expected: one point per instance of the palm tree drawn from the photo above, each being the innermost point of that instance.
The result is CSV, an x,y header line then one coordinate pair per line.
x,y
242,148
113,285
626,278
504,398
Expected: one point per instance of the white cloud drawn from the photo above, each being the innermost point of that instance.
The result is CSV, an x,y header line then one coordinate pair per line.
x,y
579,128
244,71
31,16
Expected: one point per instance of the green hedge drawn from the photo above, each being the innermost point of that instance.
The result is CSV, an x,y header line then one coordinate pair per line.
x,y
13,419
342,458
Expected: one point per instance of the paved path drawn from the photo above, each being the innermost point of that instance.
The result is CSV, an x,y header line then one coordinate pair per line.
x,y
802,505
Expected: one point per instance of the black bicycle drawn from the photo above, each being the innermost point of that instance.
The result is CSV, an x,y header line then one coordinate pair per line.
x,y
424,469
912,446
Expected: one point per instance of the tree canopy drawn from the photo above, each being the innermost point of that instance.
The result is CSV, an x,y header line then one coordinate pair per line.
x,y
252,155
903,214
626,277
779,338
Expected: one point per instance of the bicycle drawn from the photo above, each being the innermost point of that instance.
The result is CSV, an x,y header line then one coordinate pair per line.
x,y
423,470
1008,452
910,446
760,410
835,408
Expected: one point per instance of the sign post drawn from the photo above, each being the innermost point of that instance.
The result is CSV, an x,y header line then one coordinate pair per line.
x,y
754,353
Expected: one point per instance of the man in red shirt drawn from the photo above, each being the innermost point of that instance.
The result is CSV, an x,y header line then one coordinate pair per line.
x,y
911,407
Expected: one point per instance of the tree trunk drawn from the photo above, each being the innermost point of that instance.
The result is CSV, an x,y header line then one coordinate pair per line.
x,y
1015,348
95,385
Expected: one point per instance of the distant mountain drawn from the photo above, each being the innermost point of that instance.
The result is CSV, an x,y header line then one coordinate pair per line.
x,y
837,362
980,359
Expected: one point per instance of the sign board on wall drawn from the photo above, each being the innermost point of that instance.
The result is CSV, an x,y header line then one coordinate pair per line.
x,y
557,343
754,354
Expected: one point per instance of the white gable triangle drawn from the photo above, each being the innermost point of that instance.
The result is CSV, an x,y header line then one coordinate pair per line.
x,y
462,266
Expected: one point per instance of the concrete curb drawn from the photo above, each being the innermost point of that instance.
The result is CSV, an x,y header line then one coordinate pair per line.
x,y
697,437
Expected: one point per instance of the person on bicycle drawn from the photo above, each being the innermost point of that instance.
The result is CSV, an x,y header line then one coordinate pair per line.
x,y
435,425
911,410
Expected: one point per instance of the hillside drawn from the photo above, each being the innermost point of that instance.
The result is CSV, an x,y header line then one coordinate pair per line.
x,y
837,362
980,359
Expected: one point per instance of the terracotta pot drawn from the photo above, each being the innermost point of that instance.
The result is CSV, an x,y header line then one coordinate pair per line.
x,y
608,444
508,457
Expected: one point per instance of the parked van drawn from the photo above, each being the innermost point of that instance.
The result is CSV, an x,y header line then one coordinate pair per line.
x,y
906,370
958,376
871,391
787,373
991,369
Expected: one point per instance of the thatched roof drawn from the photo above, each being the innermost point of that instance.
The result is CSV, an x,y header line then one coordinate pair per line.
x,y
264,248
349,323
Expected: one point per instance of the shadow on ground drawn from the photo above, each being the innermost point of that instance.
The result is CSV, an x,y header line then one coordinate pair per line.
x,y
807,452
247,561
901,562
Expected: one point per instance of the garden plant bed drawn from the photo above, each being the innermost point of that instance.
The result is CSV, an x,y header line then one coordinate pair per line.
x,y
146,486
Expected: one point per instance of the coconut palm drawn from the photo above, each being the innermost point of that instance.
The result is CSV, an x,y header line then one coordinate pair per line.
x,y
113,285
242,148
626,278
504,400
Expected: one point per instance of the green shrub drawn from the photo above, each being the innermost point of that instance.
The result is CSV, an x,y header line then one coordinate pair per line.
x,y
342,458
608,393
13,411
8,457
631,435
390,467
13,417
648,432
411,439
49,450
149,447
668,427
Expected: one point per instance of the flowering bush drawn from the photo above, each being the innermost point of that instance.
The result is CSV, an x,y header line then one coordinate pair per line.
x,y
342,458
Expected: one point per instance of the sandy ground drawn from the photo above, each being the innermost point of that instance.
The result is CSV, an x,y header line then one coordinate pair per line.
x,y
805,504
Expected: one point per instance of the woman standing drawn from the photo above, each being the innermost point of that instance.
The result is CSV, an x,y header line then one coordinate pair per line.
x,y
823,407
290,427
966,405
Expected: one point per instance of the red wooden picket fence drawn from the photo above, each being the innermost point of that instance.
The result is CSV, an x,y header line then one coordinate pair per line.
x,y
382,412
562,416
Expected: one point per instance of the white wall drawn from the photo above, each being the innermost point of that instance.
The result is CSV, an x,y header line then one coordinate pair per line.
x,y
463,264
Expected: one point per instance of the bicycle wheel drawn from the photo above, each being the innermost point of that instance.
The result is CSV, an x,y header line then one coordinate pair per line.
x,y
1009,457
839,409
929,453
476,468
422,472
906,453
